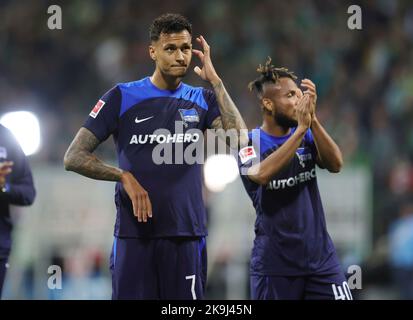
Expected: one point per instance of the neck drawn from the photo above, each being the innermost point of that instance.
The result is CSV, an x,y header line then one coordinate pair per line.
x,y
165,82
270,126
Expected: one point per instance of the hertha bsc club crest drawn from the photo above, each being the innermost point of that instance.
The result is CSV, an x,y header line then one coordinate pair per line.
x,y
189,115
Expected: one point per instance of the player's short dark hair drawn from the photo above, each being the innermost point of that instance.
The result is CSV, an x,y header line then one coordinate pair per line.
x,y
168,23
269,74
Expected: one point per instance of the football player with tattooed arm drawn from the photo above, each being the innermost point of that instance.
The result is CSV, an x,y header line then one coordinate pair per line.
x,y
159,245
293,256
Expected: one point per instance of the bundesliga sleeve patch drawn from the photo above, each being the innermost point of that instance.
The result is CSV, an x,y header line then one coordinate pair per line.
x,y
247,153
96,109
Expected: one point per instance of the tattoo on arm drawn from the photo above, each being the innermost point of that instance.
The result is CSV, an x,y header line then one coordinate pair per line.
x,y
227,136
230,116
79,158
217,123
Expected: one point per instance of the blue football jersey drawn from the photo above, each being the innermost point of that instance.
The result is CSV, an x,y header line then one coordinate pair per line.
x,y
141,117
290,230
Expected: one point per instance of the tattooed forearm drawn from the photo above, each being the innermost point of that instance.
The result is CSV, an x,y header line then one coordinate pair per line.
x,y
229,136
79,158
230,116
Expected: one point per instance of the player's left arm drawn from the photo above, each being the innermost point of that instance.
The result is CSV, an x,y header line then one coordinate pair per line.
x,y
230,116
328,153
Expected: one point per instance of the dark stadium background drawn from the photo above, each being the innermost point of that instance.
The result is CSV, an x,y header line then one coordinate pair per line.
x,y
365,100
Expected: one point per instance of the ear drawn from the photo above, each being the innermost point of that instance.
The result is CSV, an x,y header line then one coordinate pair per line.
x,y
152,52
267,105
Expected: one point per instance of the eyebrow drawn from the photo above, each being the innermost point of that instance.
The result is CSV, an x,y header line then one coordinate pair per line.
x,y
169,44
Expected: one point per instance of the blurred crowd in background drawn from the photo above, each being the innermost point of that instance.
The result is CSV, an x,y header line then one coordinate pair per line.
x,y
364,77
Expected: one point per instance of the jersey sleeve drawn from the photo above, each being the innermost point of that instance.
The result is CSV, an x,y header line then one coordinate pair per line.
x,y
103,120
213,108
247,157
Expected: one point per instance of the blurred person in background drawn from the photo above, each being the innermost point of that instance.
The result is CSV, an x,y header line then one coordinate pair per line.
x,y
159,250
401,251
293,256
16,188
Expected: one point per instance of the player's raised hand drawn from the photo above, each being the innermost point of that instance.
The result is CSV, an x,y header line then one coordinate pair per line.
x,y
312,92
207,71
142,207
5,169
303,112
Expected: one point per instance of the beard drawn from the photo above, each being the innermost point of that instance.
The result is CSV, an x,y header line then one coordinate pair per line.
x,y
285,121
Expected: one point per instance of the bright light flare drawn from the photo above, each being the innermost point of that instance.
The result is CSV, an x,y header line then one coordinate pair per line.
x,y
25,127
220,170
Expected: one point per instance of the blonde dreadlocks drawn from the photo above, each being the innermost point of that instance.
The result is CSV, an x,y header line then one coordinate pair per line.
x,y
269,73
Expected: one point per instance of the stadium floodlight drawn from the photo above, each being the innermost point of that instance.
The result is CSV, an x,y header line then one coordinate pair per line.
x,y
25,127
219,170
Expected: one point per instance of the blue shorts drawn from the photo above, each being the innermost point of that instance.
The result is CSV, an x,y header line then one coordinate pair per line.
x,y
153,269
330,286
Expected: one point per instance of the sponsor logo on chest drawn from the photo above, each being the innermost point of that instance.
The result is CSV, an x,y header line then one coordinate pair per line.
x,y
290,182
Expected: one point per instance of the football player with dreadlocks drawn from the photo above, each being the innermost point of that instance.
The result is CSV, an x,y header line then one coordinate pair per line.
x,y
293,256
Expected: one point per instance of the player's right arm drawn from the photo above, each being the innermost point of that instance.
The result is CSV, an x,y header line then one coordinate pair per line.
x,y
101,123
262,172
79,158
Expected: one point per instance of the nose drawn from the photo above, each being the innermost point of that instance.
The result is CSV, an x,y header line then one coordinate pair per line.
x,y
299,93
179,56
